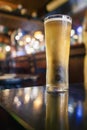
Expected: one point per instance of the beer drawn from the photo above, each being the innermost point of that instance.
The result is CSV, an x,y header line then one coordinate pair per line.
x,y
57,38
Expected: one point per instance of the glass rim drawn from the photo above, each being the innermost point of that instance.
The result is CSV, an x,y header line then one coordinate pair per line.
x,y
64,17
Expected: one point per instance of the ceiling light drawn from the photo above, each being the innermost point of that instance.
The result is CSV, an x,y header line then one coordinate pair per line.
x,y
55,4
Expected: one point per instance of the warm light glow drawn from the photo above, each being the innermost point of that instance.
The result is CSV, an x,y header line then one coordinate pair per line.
x,y
26,98
9,6
23,11
37,103
19,92
75,37
15,99
55,4
28,39
20,6
6,93
27,92
38,35
21,43
34,14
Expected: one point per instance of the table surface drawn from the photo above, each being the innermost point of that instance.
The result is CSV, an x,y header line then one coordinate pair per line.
x,y
35,109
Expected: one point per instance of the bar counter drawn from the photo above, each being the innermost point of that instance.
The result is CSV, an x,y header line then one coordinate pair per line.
x,y
31,108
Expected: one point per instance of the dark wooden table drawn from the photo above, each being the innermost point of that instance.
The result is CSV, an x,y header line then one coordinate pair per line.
x,y
31,108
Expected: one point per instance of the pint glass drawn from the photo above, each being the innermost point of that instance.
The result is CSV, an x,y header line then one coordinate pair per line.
x,y
57,39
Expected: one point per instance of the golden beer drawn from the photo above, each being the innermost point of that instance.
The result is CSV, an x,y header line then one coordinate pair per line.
x,y
57,38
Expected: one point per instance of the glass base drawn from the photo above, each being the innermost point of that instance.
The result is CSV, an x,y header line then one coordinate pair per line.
x,y
57,88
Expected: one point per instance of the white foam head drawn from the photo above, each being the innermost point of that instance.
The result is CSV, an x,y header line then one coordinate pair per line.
x,y
58,18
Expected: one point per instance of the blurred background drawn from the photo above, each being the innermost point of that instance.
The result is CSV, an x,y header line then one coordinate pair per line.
x,y
22,41
21,24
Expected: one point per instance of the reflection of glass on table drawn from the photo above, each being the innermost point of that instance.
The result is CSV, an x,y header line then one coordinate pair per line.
x,y
57,111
